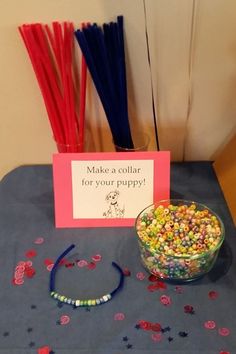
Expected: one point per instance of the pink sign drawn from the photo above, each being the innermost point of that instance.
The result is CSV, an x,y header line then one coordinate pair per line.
x,y
107,189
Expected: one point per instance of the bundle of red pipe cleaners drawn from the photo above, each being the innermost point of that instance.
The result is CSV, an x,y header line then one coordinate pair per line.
x,y
52,54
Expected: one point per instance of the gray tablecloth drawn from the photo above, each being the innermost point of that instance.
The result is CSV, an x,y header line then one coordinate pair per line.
x,y
30,319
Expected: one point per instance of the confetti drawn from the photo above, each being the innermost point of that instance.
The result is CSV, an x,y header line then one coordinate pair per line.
x,y
64,320
119,316
210,324
156,337
91,265
189,309
82,263
165,300
31,253
224,331
97,258
140,276
39,240
213,295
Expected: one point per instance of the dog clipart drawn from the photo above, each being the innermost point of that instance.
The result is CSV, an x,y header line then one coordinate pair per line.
x,y
114,210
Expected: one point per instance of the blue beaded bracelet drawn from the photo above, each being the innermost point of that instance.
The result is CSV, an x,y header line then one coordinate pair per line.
x,y
79,303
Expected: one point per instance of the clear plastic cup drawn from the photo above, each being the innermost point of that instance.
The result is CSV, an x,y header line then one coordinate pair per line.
x,y
140,140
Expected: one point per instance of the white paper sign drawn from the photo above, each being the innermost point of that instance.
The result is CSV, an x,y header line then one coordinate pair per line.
x,y
111,189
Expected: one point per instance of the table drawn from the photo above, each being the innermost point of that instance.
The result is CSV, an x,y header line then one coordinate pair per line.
x,y
31,319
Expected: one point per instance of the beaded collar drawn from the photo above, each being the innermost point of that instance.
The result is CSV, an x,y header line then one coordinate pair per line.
x,y
76,302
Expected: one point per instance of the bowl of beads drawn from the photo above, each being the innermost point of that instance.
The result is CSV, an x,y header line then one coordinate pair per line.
x,y
179,240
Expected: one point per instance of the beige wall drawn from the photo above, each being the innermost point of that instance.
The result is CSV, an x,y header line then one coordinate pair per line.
x,y
192,47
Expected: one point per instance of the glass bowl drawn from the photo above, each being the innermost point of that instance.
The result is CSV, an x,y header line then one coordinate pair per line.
x,y
179,240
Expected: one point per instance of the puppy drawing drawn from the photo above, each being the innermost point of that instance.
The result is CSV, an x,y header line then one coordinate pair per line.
x,y
114,210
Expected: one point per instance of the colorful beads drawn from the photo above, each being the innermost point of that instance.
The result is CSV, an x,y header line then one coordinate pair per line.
x,y
179,241
81,303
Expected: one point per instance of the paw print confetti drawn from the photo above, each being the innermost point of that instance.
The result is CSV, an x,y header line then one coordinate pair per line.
x,y
156,337
166,329
140,276
189,309
165,300
23,269
183,334
64,320
179,289
119,316
224,331
210,324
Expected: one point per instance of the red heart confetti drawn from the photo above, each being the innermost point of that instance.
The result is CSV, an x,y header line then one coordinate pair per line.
x,y
161,285
145,325
48,261
156,327
91,265
97,258
126,272
152,287
152,278
213,295
31,253
30,272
